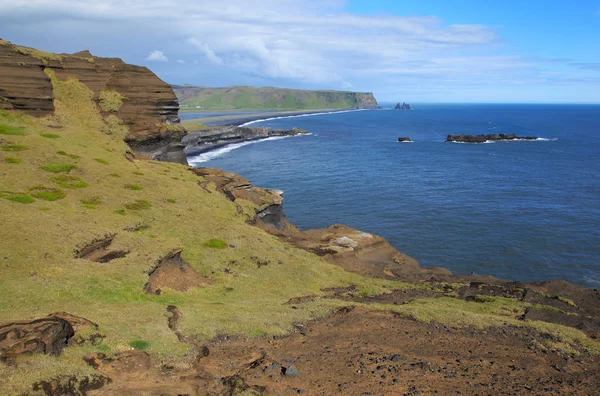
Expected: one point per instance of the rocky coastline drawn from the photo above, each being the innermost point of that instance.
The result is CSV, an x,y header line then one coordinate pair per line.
x,y
484,138
130,246
200,142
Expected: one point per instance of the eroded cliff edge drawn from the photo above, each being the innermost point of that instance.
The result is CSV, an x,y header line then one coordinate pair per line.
x,y
144,103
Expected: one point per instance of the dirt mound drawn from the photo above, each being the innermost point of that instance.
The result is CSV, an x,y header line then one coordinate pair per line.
x,y
174,273
98,250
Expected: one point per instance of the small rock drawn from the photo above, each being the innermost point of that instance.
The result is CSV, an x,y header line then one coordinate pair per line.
x,y
291,371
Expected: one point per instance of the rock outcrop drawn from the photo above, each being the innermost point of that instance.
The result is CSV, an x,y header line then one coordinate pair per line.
x,y
486,138
199,142
142,101
403,106
47,336
404,139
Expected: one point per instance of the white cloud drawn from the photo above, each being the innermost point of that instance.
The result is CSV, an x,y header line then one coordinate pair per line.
x,y
180,61
283,42
157,55
206,51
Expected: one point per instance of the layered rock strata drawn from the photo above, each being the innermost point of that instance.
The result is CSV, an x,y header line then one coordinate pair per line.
x,y
141,100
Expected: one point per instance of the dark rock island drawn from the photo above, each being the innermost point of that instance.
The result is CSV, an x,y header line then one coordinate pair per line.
x,y
403,106
487,138
404,139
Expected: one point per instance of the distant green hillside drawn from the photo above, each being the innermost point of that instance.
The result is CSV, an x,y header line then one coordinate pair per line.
x,y
251,98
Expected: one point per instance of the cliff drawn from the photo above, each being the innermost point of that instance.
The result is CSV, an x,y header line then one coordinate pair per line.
x,y
149,277
267,98
139,100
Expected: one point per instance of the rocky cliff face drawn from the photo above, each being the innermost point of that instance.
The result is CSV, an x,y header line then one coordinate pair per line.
x,y
267,98
145,103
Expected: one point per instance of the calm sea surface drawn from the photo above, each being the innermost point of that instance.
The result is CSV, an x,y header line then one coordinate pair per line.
x,y
516,210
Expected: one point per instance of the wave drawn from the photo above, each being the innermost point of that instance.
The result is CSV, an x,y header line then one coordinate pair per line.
x,y
301,115
212,154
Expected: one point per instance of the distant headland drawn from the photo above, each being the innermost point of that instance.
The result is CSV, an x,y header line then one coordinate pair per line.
x,y
195,98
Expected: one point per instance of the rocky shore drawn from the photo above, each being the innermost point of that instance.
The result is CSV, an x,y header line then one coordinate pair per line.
x,y
199,142
124,276
484,138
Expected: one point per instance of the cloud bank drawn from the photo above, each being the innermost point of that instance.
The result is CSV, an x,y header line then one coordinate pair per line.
x,y
314,44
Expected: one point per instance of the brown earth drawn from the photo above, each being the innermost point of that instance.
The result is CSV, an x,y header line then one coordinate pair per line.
x,y
149,108
362,352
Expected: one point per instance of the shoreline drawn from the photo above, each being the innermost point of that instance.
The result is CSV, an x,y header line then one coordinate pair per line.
x,y
247,119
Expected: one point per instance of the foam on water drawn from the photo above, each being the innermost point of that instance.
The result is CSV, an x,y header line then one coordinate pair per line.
x,y
212,154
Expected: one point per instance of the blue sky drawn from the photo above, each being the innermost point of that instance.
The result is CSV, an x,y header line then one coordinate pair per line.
x,y
415,51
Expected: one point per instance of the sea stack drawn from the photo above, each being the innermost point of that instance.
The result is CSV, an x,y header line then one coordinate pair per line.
x,y
404,140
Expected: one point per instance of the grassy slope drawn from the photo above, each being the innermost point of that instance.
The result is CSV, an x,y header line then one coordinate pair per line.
x,y
267,99
39,275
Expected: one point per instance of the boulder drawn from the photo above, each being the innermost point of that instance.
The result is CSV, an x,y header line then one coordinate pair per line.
x,y
48,336
404,139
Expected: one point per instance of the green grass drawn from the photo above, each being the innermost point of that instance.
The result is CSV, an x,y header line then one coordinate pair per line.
x,y
20,198
10,160
171,200
67,181
56,167
62,153
11,130
115,175
139,344
133,187
110,100
46,193
139,204
137,173
90,203
102,161
50,135
215,244
120,212
14,147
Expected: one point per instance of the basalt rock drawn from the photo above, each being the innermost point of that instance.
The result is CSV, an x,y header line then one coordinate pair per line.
x,y
199,142
268,203
149,107
47,336
404,139
486,138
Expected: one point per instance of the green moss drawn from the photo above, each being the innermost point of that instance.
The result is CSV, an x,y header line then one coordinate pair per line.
x,y
115,175
91,201
62,153
171,200
139,204
14,147
139,344
50,135
132,187
119,212
137,173
44,56
11,130
10,160
20,198
102,161
46,193
57,167
215,244
69,181
110,101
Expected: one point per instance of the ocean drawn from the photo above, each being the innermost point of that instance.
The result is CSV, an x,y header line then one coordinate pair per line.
x,y
519,210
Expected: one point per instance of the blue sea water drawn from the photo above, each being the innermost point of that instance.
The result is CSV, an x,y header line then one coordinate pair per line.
x,y
518,210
